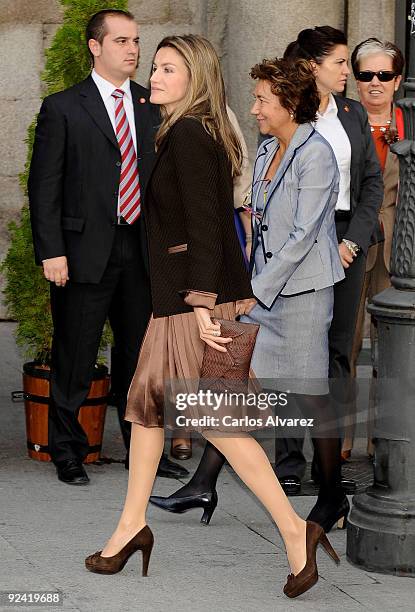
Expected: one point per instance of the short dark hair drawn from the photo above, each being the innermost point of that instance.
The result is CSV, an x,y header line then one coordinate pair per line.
x,y
294,84
370,46
315,43
96,26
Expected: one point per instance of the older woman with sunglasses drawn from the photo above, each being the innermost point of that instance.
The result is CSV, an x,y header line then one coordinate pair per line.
x,y
377,67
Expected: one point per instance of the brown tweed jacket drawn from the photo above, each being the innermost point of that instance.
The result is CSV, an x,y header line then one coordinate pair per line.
x,y
188,212
387,210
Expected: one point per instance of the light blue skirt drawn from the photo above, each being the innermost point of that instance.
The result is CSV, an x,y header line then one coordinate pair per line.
x,y
292,348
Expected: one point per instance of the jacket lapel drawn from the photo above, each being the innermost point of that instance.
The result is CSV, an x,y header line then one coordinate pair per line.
x,y
390,157
92,102
352,128
156,160
262,162
301,135
143,118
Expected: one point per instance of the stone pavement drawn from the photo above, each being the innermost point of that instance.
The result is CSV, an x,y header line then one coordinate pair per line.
x,y
235,564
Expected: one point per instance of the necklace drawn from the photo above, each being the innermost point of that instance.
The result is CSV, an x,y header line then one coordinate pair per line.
x,y
389,134
382,128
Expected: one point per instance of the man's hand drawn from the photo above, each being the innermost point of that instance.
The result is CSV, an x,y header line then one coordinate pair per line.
x,y
55,270
244,307
345,255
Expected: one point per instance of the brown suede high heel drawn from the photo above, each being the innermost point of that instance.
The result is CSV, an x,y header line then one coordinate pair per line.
x,y
303,581
143,541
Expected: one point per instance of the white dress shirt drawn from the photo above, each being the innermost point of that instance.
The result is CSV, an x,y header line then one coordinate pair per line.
x,y
106,90
329,126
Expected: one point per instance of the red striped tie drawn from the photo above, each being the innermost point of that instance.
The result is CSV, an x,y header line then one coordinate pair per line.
x,y
130,202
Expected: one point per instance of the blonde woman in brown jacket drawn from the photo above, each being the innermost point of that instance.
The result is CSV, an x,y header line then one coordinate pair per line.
x,y
196,271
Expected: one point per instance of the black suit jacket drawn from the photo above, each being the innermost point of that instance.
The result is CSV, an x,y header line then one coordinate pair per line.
x,y
189,216
366,183
75,174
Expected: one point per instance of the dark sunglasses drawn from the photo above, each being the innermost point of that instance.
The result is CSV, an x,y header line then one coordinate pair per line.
x,y
367,75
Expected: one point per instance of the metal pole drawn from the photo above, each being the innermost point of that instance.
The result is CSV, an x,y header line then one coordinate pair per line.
x,y
381,530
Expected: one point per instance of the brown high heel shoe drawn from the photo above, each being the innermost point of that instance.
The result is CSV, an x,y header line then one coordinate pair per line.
x,y
302,582
181,448
143,541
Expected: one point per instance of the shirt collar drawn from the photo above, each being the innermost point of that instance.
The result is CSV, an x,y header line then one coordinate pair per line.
x,y
106,88
331,110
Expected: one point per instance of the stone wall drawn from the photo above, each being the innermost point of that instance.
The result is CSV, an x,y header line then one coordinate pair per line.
x,y
266,32
380,24
23,27
243,31
159,18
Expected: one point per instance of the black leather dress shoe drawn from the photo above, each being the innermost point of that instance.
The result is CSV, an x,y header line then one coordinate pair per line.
x,y
71,471
169,469
348,486
208,501
166,468
291,485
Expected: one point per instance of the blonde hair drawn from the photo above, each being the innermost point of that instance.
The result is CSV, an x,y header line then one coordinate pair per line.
x,y
205,97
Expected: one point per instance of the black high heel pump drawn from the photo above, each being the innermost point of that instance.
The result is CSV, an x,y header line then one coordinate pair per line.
x,y
207,501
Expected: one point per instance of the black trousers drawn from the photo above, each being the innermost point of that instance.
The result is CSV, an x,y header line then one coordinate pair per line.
x,y
289,456
79,311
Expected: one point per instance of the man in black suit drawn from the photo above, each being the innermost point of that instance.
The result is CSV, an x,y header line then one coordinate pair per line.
x,y
92,157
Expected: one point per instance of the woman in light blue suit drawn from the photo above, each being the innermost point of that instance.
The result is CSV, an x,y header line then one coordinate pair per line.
x,y
295,253
295,261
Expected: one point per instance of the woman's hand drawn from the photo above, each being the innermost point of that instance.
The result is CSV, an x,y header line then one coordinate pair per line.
x,y
244,307
209,331
345,255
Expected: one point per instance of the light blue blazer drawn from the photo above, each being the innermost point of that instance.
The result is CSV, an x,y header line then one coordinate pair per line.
x,y
297,250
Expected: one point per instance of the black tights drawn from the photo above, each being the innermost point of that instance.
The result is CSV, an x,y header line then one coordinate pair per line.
x,y
206,475
326,439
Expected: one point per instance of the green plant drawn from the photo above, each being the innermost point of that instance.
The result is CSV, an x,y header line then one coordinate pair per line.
x,y
26,290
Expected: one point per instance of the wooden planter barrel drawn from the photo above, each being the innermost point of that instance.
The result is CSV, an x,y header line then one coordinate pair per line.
x,y
91,415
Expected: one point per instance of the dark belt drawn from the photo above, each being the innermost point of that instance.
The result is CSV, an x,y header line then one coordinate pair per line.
x,y
342,215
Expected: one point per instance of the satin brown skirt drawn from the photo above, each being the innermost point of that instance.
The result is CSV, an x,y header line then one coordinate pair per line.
x,y
171,351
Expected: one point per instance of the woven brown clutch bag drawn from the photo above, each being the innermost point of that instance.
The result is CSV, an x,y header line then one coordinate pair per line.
x,y
218,367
